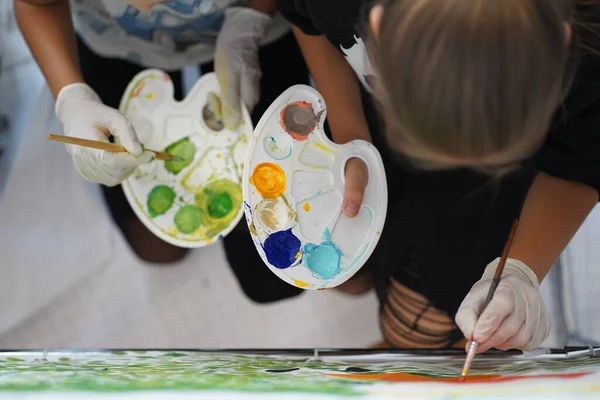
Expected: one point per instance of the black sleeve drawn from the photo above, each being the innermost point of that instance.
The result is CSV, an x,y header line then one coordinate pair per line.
x,y
296,12
572,149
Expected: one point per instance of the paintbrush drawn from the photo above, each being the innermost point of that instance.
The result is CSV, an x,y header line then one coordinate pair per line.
x,y
497,276
111,147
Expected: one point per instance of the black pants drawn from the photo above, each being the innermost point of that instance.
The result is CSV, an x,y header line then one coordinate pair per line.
x,y
282,66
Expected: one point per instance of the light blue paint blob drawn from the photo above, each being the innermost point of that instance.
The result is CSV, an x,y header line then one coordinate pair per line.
x,y
323,260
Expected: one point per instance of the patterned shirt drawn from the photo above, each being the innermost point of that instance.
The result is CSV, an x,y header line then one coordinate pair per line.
x,y
170,36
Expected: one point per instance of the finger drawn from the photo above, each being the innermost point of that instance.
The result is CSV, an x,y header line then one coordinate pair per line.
x,y
232,113
250,87
501,306
466,318
124,133
537,328
520,341
468,312
229,84
124,161
357,177
510,329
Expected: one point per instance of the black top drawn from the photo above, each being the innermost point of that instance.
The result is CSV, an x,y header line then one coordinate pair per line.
x,y
572,148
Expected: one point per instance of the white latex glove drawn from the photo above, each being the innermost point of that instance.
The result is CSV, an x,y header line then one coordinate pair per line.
x,y
84,116
236,61
516,318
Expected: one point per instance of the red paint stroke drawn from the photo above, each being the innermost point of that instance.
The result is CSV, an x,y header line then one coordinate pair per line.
x,y
166,77
137,91
403,377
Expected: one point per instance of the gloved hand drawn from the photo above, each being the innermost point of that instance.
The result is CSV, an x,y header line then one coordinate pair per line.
x,y
236,61
516,318
84,116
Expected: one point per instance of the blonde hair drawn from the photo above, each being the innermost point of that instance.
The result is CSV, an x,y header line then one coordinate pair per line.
x,y
470,83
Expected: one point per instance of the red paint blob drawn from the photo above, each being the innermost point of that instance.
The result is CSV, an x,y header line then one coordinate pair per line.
x,y
403,377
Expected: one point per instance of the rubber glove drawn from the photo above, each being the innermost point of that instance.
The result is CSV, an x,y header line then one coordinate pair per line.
x,y
83,115
236,61
516,318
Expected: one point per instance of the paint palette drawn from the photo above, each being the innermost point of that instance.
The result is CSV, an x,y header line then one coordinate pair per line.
x,y
293,193
197,199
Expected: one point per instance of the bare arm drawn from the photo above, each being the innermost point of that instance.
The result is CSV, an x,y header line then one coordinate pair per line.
x,y
48,30
338,84
265,6
553,212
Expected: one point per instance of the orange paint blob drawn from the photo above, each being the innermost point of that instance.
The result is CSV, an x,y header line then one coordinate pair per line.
x,y
403,377
306,207
269,180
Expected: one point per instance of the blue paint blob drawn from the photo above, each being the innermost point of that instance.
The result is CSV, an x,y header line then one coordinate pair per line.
x,y
282,249
323,260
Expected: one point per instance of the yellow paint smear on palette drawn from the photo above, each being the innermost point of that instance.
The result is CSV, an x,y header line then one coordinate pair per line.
x,y
306,207
300,283
324,147
269,179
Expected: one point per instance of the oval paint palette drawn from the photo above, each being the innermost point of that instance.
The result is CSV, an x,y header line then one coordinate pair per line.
x,y
293,191
193,201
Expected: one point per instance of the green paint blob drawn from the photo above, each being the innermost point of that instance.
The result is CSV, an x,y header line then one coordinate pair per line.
x,y
220,200
160,199
183,148
188,219
219,205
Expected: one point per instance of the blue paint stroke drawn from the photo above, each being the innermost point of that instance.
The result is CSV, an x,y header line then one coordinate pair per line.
x,y
278,153
323,260
248,207
367,244
282,249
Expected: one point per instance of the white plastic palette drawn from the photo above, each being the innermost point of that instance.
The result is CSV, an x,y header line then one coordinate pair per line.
x,y
194,202
293,191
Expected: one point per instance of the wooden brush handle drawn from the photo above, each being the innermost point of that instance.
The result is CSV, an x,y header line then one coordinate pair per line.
x,y
106,146
94,144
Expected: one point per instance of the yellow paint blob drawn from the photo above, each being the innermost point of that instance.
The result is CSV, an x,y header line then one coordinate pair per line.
x,y
300,283
306,207
150,96
269,180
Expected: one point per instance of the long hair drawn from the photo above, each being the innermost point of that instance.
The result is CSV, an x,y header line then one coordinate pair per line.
x,y
470,83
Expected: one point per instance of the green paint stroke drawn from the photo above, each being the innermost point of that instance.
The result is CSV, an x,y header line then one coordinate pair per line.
x,y
160,200
188,219
184,149
175,371
220,200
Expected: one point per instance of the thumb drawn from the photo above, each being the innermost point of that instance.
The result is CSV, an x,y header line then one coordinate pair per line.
x,y
357,177
466,319
496,312
232,112
250,87
229,84
124,133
